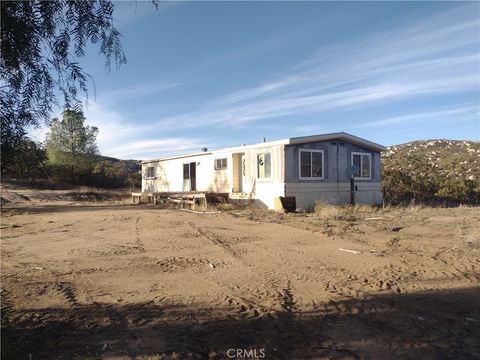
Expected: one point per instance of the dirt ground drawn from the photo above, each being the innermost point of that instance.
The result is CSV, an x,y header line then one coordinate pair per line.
x,y
114,281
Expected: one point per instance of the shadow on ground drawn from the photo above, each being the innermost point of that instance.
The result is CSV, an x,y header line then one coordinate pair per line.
x,y
436,324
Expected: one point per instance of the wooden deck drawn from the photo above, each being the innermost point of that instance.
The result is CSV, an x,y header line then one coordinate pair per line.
x,y
196,200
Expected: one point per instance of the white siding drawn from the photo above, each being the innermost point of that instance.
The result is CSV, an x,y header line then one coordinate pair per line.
x,y
169,174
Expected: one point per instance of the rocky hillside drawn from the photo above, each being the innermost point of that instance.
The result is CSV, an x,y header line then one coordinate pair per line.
x,y
432,171
131,165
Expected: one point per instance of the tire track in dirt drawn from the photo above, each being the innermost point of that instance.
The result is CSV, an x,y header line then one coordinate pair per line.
x,y
181,263
157,237
239,299
247,308
121,323
138,243
279,342
216,239
244,307
338,281
67,290
282,335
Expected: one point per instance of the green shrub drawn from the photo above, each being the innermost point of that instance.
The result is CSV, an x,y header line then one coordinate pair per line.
x,y
458,190
433,171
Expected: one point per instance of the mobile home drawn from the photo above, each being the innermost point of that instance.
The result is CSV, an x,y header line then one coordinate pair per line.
x,y
308,169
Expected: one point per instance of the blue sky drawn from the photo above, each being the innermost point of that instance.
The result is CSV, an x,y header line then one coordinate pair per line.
x,y
219,74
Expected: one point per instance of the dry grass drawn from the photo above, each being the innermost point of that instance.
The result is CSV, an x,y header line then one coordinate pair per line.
x,y
345,212
356,212
228,207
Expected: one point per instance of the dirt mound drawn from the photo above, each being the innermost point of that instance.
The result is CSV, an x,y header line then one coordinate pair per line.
x,y
13,197
96,195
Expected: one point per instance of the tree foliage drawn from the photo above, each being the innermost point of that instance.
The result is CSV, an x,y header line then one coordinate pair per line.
x,y
432,171
72,144
110,174
115,174
40,44
27,160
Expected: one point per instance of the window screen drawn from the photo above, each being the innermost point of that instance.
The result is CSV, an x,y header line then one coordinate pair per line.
x,y
363,164
264,165
220,163
357,162
311,164
306,161
268,165
317,164
150,172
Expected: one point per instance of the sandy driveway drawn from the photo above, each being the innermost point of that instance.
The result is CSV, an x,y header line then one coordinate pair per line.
x,y
138,282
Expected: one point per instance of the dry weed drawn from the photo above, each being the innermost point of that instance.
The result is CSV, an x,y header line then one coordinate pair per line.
x,y
226,207
345,212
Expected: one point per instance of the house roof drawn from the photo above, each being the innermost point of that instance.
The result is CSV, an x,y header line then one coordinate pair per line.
x,y
290,141
338,136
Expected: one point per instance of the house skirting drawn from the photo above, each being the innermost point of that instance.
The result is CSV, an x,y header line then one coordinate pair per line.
x,y
307,194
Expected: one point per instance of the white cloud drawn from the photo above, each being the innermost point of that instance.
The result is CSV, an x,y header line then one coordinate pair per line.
x,y
153,148
115,130
467,112
411,61
122,138
141,90
137,91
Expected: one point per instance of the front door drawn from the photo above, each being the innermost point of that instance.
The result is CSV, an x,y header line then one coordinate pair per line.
x,y
190,176
242,173
193,176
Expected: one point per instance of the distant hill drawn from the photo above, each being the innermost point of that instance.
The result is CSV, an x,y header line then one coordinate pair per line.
x,y
131,165
432,171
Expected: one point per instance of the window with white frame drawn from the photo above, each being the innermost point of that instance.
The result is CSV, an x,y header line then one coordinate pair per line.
x,y
363,164
220,164
150,173
310,164
264,165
